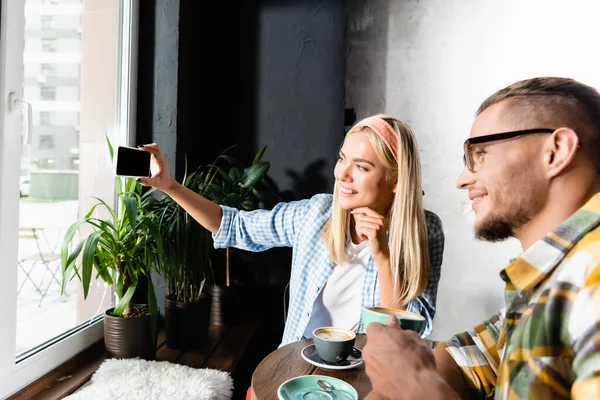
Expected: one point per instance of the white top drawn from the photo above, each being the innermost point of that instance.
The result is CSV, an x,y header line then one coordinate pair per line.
x,y
340,300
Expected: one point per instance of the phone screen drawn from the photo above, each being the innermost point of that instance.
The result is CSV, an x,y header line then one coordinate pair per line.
x,y
132,162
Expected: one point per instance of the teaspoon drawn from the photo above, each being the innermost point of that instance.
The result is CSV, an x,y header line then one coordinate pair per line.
x,y
326,386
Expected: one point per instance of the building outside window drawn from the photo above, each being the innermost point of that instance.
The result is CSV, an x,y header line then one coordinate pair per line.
x,y
44,118
47,93
48,21
49,45
46,142
48,70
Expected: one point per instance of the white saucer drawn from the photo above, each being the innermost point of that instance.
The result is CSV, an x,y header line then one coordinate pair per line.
x,y
309,353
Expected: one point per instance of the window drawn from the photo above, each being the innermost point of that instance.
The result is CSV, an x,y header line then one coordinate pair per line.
x,y
48,70
46,142
41,328
47,93
48,22
44,118
49,45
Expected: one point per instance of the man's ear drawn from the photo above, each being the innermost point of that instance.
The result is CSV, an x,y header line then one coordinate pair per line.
x,y
561,150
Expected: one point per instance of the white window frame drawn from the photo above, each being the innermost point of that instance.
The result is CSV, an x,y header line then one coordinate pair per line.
x,y
16,374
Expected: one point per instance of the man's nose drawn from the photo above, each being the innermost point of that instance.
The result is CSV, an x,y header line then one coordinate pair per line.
x,y
465,179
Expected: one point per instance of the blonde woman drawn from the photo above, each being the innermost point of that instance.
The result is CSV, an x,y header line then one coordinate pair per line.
x,y
369,243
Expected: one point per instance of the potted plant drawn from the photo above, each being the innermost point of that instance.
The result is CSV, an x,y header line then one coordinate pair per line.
x,y
186,269
228,182
122,250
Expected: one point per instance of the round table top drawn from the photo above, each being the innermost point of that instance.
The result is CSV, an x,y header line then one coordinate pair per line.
x,y
286,362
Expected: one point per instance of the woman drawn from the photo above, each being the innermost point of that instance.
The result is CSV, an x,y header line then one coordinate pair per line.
x,y
369,243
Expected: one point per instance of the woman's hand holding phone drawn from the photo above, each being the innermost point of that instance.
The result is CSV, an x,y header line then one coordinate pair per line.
x,y
160,177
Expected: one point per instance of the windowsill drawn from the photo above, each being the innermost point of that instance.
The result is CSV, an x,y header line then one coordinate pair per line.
x,y
66,378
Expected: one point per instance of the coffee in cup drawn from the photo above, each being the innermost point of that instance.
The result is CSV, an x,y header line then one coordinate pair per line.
x,y
333,344
407,320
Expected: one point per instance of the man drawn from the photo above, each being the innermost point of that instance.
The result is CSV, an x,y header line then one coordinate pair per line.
x,y
532,169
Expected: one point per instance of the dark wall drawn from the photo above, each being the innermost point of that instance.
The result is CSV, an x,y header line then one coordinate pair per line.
x,y
215,80
299,93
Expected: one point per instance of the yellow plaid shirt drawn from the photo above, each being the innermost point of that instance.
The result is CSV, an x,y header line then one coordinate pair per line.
x,y
545,344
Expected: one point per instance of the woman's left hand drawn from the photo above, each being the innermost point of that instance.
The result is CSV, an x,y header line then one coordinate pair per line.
x,y
370,225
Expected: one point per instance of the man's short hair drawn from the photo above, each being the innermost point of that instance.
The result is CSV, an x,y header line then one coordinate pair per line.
x,y
553,102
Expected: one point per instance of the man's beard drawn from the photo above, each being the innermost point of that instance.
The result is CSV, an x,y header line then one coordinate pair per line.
x,y
498,228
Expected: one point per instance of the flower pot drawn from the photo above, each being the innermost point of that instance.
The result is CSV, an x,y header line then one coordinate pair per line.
x,y
227,305
129,337
186,324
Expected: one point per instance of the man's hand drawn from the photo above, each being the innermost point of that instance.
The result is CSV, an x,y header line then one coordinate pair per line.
x,y
401,365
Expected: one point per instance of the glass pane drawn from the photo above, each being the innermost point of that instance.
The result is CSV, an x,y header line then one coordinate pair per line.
x,y
71,79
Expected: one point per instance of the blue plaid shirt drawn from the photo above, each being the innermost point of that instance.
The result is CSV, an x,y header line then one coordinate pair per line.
x,y
299,225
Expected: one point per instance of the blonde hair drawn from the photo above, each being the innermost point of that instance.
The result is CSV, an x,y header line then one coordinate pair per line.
x,y
405,219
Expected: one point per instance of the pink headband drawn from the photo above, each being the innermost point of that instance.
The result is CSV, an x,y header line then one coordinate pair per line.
x,y
385,132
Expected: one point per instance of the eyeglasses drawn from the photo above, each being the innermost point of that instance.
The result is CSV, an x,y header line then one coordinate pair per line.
x,y
473,159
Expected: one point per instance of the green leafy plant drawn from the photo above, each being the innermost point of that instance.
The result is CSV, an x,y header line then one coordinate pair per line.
x,y
228,182
186,266
121,249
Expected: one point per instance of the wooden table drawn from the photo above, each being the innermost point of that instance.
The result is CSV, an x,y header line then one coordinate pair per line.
x,y
287,362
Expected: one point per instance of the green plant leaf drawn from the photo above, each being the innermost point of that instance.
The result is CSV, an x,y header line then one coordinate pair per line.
x,y
119,183
103,272
110,147
113,214
131,207
249,204
67,266
224,174
231,161
130,185
259,155
64,251
124,301
235,174
87,261
254,174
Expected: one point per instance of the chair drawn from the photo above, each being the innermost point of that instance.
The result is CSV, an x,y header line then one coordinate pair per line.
x,y
286,301
46,256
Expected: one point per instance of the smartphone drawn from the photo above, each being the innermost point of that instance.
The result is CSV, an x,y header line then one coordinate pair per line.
x,y
132,162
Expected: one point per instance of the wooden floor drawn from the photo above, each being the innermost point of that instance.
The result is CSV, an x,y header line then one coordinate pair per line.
x,y
223,351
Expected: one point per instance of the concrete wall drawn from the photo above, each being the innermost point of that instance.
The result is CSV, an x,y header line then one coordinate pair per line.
x,y
300,91
164,99
431,63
